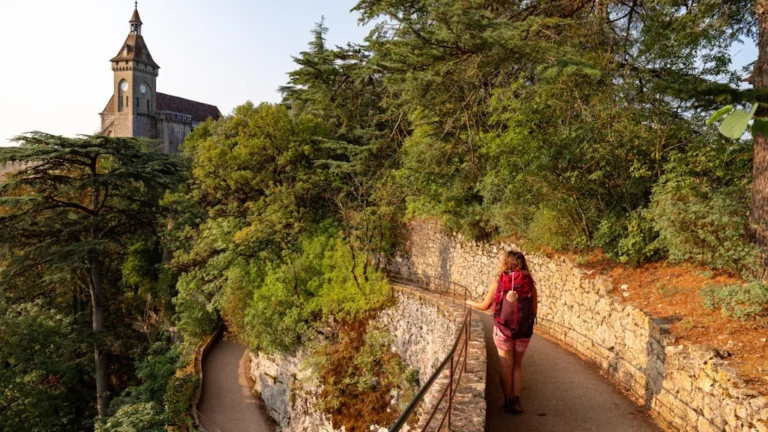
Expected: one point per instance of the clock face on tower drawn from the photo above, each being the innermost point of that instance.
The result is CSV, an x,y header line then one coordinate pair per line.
x,y
124,86
143,89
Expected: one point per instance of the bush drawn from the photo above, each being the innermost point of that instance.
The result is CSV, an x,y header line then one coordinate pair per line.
x,y
744,302
179,397
552,228
363,380
629,239
140,417
155,370
195,317
320,283
706,226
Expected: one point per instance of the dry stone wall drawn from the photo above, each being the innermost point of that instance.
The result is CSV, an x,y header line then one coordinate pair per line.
x,y
424,327
684,388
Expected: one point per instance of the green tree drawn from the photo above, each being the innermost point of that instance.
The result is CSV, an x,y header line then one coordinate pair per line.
x,y
72,214
269,252
257,189
551,120
348,93
43,359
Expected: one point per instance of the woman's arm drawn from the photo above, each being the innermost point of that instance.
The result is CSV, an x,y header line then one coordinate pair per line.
x,y
488,299
535,296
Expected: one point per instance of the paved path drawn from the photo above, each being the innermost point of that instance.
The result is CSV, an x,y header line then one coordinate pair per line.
x,y
560,393
228,403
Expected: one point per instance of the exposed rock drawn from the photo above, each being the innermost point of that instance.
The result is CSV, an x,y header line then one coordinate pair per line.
x,y
424,327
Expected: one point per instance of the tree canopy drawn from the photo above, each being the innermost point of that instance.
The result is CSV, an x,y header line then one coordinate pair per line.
x,y
79,230
567,125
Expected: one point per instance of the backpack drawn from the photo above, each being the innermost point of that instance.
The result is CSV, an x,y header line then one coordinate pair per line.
x,y
512,317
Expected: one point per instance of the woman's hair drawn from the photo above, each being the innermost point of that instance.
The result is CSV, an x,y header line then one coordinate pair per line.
x,y
513,260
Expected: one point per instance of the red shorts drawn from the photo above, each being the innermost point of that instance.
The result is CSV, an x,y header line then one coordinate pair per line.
x,y
507,344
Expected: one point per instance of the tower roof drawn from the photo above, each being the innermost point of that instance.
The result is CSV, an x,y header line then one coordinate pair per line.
x,y
135,49
135,19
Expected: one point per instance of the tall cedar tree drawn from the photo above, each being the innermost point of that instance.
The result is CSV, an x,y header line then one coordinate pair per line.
x,y
73,210
347,92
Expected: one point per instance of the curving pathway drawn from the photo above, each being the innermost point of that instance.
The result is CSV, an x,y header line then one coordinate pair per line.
x,y
228,403
560,393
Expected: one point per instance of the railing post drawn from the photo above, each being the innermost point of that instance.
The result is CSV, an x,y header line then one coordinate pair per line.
x,y
450,394
466,344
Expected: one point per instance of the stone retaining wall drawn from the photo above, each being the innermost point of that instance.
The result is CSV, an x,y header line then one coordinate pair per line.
x,y
684,388
424,327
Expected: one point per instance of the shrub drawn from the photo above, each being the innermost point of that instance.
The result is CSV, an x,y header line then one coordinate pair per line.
x,y
553,228
195,316
744,302
140,417
179,397
362,378
706,226
629,239
322,282
155,370
700,205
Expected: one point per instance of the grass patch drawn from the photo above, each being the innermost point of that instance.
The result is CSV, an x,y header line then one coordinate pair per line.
x,y
743,302
667,290
688,324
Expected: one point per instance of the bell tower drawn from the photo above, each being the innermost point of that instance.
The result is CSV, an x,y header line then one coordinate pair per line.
x,y
134,101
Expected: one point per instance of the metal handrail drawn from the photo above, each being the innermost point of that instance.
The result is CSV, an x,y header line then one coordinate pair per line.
x,y
205,424
459,363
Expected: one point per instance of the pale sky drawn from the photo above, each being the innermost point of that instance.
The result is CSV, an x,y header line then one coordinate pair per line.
x,y
55,73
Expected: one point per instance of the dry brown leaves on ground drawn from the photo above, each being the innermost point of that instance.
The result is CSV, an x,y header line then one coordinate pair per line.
x,y
674,292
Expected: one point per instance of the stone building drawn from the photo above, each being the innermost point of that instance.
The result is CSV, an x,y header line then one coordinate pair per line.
x,y
137,109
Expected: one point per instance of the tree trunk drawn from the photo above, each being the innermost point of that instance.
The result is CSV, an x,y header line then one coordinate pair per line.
x,y
98,302
758,214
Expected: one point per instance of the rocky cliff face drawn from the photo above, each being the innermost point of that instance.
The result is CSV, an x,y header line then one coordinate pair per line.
x,y
289,392
424,327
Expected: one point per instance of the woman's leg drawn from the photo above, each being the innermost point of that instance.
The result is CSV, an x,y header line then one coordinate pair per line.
x,y
517,372
506,361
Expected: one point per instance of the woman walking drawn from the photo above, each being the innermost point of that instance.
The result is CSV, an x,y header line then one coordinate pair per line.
x,y
514,300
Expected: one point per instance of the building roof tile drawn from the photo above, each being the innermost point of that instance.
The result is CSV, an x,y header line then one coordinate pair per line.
x,y
199,111
135,49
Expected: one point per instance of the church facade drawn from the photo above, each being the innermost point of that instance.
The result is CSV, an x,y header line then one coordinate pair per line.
x,y
137,109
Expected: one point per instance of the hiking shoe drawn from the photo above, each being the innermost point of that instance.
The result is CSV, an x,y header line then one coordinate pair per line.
x,y
516,407
508,406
